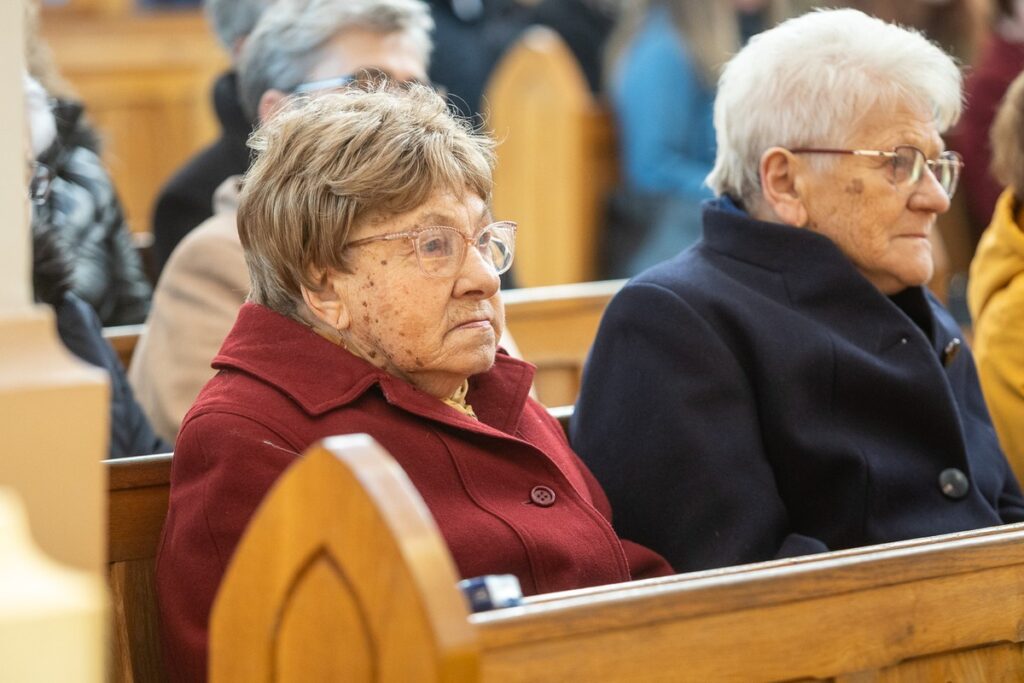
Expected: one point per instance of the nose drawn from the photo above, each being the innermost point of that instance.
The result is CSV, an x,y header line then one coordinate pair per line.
x,y
929,195
477,278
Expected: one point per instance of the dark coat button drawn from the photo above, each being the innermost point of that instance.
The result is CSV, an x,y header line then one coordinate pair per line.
x,y
542,496
950,352
954,483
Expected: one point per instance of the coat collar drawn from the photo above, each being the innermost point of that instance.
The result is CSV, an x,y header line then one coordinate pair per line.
x,y
819,277
321,376
780,248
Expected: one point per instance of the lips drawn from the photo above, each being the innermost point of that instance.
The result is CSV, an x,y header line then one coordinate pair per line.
x,y
475,322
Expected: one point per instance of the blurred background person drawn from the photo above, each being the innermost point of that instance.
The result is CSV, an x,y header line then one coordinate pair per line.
x,y
470,37
996,289
78,326
664,60
585,26
298,45
999,62
82,204
956,25
187,198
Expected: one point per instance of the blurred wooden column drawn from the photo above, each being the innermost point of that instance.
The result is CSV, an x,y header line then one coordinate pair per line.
x,y
54,409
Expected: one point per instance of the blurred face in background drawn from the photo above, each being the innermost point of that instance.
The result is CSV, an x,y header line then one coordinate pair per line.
x,y
356,50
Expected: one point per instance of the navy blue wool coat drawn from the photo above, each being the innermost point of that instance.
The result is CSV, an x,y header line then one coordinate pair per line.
x,y
756,397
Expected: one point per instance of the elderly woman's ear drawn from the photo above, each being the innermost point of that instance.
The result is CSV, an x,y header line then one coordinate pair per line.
x,y
270,102
329,304
781,188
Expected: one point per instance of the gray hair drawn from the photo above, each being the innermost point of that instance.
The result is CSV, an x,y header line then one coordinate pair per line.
x,y
233,20
807,82
287,41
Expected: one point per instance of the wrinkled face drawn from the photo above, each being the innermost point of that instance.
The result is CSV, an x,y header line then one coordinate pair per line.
x,y
433,332
882,227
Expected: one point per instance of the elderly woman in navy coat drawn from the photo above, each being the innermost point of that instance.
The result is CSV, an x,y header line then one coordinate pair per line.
x,y
788,386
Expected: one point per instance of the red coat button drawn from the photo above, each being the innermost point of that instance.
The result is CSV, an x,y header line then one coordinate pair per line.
x,y
542,496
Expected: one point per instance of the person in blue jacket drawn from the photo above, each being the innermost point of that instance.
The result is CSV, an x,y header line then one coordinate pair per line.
x,y
788,385
665,56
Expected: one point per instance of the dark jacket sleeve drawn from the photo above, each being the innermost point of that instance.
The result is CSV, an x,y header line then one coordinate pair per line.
x,y
668,422
130,432
178,211
643,562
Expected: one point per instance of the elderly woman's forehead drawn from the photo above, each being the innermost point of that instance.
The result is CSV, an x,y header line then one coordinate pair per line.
x,y
901,124
441,208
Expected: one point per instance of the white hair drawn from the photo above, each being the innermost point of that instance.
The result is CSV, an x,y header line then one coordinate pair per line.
x,y
287,40
807,82
42,127
233,20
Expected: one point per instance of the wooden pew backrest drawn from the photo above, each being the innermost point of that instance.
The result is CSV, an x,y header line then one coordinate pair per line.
x,y
556,159
554,328
374,600
137,505
124,339
945,608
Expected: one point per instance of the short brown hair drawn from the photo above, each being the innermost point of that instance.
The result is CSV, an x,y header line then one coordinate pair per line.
x,y
328,161
1007,139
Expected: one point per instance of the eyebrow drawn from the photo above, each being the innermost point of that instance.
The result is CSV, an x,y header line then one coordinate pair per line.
x,y
906,137
448,220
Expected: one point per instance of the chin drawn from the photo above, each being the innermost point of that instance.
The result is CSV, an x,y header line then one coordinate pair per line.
x,y
483,360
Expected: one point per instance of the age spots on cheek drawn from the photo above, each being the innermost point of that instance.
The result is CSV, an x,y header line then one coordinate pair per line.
x,y
856,186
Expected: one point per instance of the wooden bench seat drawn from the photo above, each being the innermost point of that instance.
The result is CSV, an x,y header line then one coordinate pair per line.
x,y
554,328
343,576
124,339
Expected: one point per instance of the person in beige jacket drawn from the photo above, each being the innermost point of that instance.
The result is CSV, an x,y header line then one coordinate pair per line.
x,y
195,303
996,290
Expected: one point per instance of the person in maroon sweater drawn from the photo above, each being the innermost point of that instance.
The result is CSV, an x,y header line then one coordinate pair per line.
x,y
375,308
1000,62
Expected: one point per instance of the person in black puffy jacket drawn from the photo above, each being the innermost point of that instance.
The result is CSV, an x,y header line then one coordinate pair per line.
x,y
84,209
78,325
80,330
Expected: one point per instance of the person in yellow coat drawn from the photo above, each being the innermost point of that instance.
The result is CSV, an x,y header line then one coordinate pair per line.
x,y
996,291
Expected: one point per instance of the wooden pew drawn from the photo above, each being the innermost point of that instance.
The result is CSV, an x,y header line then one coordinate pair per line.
x,y
137,504
343,576
554,328
124,339
556,159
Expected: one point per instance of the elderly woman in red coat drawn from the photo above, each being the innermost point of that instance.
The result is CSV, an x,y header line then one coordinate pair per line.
x,y
375,308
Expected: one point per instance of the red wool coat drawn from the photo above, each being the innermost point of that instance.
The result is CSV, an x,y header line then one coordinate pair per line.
x,y
281,387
